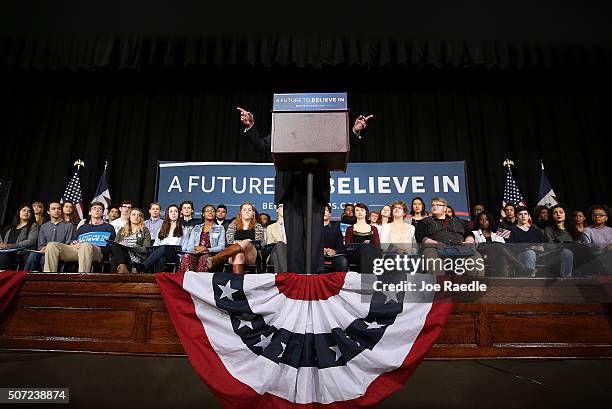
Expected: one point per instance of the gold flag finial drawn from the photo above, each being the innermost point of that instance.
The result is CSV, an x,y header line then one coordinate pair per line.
x,y
79,163
508,163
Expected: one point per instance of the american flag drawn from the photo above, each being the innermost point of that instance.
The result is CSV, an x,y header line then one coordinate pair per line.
x,y
73,193
512,194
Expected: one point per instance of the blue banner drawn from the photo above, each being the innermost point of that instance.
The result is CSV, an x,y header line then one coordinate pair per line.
x,y
375,184
329,101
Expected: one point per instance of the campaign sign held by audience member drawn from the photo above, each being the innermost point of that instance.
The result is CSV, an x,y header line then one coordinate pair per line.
x,y
375,184
97,238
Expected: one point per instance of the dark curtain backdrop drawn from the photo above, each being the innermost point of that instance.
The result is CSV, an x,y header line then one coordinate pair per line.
x,y
134,116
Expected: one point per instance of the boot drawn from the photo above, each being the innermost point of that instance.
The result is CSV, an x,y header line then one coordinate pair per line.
x,y
238,269
228,252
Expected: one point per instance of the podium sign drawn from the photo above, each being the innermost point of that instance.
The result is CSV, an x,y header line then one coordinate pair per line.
x,y
310,131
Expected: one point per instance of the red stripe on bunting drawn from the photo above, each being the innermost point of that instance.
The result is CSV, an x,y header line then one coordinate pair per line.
x,y
9,284
310,287
236,395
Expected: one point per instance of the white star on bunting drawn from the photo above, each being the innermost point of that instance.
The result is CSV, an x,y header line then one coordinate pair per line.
x,y
227,291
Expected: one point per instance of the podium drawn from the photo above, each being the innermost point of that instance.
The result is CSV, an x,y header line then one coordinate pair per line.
x,y
310,133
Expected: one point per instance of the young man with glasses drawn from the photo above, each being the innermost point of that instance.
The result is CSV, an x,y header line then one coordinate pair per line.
x,y
598,232
439,231
124,207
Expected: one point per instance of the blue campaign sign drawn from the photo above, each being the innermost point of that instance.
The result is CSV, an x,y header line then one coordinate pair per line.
x,y
97,238
328,101
375,184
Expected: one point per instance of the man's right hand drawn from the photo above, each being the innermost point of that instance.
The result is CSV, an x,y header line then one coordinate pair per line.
x,y
246,118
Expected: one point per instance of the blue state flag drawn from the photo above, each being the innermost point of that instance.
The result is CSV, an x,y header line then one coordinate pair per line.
x,y
102,193
546,194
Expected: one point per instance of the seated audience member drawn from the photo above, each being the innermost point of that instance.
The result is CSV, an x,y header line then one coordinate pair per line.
x,y
487,229
542,217
524,232
240,233
204,239
450,212
134,238
70,214
598,233
580,221
80,250
439,231
264,220
55,230
154,222
22,233
374,218
187,219
417,211
113,213
598,237
509,220
485,236
39,212
125,207
365,234
275,234
476,210
348,215
333,243
384,216
562,230
170,234
397,236
221,216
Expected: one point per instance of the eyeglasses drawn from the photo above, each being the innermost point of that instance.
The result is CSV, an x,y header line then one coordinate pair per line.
x,y
209,211
438,205
599,215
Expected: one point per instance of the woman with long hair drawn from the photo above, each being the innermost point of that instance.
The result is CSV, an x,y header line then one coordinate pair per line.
x,y
205,238
398,236
131,243
562,230
240,233
170,235
384,216
417,210
366,236
70,215
39,212
542,217
580,220
22,233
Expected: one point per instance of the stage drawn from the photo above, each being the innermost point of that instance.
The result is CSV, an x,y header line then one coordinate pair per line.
x,y
125,314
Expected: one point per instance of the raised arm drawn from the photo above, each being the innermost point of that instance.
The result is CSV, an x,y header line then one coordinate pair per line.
x,y
360,124
261,143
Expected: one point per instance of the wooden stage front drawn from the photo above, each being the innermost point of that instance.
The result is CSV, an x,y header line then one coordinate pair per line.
x,y
125,314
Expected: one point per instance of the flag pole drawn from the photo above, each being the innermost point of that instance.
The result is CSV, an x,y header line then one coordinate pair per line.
x,y
542,163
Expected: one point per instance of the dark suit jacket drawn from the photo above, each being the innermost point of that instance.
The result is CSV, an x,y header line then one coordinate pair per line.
x,y
286,181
